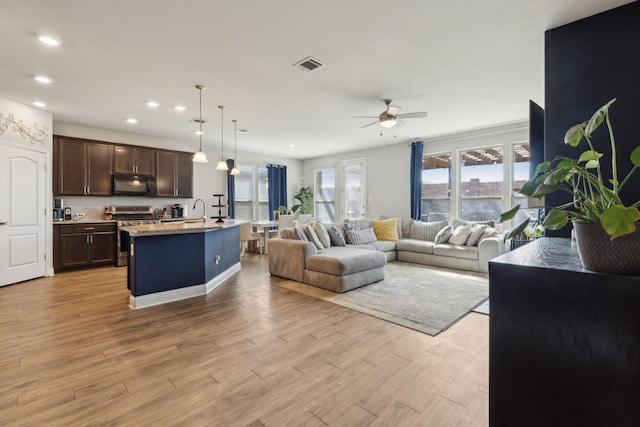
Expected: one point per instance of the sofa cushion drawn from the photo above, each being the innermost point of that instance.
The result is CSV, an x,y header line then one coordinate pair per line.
x,y
386,229
488,232
300,233
323,234
359,237
457,222
475,234
340,261
287,233
367,246
384,245
460,235
456,251
336,234
357,224
443,235
414,245
426,230
312,236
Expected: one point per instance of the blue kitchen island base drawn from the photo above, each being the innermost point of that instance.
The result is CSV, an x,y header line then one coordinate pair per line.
x,y
171,263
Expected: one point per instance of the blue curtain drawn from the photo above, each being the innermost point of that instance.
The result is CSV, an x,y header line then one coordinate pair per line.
x,y
416,179
231,190
277,181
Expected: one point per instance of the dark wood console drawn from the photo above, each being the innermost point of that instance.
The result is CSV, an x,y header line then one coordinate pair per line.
x,y
564,342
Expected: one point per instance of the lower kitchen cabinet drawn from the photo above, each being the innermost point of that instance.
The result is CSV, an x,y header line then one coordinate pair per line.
x,y
84,245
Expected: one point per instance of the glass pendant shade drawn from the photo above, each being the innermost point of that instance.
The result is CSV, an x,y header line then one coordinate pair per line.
x,y
200,156
389,123
222,164
235,171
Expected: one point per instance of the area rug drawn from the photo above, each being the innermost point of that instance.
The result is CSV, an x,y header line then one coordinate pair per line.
x,y
427,299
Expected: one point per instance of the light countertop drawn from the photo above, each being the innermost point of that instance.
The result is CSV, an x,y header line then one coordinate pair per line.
x,y
179,227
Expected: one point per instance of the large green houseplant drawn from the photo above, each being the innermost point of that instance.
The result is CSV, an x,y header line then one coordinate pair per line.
x,y
304,196
595,198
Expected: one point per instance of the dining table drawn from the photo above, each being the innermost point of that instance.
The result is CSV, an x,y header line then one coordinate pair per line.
x,y
265,225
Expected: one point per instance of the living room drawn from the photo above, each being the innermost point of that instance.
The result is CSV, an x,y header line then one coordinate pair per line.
x,y
267,335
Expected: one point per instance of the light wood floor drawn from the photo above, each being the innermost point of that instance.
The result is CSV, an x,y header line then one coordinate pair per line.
x,y
249,354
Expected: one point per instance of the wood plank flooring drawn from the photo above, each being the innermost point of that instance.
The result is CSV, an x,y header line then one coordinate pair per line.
x,y
250,353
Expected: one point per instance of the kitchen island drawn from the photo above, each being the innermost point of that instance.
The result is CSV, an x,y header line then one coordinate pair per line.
x,y
178,260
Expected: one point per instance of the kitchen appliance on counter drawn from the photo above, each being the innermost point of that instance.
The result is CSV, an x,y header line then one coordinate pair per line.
x,y
58,210
67,214
128,216
177,211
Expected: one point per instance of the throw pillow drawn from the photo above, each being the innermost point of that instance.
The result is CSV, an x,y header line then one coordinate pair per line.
x,y
426,230
457,222
351,225
406,226
488,232
460,235
312,236
300,233
336,236
475,234
443,235
386,229
361,237
322,233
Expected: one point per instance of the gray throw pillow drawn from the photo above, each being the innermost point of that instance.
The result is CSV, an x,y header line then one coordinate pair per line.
x,y
323,234
457,222
361,237
475,234
426,230
312,236
488,232
443,235
300,233
336,236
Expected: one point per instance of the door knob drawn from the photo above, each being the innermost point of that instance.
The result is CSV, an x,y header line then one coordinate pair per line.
x,y
3,223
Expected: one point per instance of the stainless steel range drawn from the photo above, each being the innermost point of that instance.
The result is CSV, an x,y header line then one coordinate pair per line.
x,y
127,216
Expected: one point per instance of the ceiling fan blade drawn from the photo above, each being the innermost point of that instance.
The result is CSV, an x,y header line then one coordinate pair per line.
x,y
370,124
393,110
415,115
365,117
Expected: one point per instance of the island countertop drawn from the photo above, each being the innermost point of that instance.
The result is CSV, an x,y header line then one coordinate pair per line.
x,y
181,227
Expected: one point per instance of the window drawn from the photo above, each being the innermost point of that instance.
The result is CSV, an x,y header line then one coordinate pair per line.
x,y
520,169
252,196
325,194
481,183
436,187
353,186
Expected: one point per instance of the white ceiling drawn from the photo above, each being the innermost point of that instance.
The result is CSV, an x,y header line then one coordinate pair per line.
x,y
469,63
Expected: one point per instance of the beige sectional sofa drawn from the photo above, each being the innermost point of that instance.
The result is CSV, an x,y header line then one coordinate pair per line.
x,y
316,258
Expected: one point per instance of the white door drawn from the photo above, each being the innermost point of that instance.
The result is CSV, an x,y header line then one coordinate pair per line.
x,y
22,214
353,189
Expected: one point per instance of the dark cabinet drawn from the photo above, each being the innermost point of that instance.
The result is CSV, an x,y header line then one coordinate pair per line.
x,y
174,174
84,245
134,160
81,167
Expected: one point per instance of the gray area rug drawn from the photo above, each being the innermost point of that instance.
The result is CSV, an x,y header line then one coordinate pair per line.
x,y
427,299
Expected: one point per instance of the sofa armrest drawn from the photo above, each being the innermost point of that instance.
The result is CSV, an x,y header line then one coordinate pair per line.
x,y
287,257
489,248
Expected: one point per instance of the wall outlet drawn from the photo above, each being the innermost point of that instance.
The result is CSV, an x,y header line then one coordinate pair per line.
x,y
80,215
217,259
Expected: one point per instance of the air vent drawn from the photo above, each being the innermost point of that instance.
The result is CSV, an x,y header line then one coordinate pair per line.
x,y
308,64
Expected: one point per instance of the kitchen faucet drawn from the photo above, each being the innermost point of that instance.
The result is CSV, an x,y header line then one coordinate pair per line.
x,y
204,206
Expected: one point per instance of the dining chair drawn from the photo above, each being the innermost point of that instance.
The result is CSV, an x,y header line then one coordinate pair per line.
x,y
246,235
287,221
304,219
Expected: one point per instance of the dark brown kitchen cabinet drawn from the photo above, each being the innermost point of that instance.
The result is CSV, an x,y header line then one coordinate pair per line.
x,y
174,174
84,245
81,167
134,160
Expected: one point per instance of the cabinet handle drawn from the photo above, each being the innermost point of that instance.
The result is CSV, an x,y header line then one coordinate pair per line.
x,y
89,228
91,238
87,239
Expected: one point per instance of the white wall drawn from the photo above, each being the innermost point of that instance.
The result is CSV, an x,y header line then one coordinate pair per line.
x,y
207,181
387,184
31,118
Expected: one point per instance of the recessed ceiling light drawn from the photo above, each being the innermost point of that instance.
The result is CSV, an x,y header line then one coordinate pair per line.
x,y
292,145
39,104
198,132
48,40
43,79
132,120
152,104
180,107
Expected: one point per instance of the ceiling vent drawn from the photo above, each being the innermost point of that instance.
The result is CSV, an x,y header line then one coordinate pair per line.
x,y
308,64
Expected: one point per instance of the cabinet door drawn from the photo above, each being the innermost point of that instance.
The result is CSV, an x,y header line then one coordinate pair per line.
x,y
184,175
165,173
103,247
74,250
145,161
98,169
124,159
70,167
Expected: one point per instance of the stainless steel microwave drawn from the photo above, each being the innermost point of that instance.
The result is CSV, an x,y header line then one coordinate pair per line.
x,y
134,185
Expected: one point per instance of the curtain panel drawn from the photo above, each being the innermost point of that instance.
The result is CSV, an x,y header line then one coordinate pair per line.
x,y
231,190
415,172
277,181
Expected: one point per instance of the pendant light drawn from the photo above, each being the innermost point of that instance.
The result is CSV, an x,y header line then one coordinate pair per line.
x,y
235,171
222,164
200,156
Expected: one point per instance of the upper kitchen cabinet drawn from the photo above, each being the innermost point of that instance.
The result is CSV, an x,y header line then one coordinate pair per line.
x,y
134,160
81,167
174,174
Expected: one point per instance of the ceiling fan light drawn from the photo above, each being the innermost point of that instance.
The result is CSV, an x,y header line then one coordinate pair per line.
x,y
222,166
235,171
200,157
389,122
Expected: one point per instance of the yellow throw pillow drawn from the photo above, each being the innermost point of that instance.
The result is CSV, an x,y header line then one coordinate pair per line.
x,y
386,229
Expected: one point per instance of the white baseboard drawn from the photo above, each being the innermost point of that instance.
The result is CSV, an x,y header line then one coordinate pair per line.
x,y
164,297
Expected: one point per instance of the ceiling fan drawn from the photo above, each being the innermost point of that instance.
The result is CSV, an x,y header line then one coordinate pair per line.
x,y
390,117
